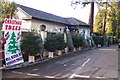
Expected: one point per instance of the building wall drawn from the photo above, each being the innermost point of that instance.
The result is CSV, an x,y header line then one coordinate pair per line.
x,y
26,19
28,23
84,29
21,14
50,26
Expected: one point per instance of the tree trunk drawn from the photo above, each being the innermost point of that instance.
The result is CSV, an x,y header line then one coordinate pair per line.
x,y
11,15
91,15
104,25
104,21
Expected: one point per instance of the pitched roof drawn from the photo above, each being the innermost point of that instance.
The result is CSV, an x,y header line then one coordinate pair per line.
x,y
72,21
38,14
75,22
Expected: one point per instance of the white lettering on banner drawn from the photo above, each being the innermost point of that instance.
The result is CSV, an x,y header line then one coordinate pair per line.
x,y
12,34
12,21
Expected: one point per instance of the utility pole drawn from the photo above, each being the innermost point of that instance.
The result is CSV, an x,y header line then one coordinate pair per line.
x,y
91,16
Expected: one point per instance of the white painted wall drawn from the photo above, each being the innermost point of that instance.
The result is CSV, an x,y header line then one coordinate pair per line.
x,y
22,15
87,30
50,26
28,23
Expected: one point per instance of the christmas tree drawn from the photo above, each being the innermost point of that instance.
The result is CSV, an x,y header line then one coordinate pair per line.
x,y
12,45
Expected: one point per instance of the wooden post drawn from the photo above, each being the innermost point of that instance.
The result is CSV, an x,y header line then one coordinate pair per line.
x,y
91,15
65,39
44,36
74,49
50,55
59,52
31,58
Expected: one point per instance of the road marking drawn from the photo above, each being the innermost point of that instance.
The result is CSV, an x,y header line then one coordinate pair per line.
x,y
56,75
83,64
73,64
1,67
108,49
80,69
25,73
34,69
86,62
81,76
17,72
49,77
65,65
100,77
65,75
72,76
32,74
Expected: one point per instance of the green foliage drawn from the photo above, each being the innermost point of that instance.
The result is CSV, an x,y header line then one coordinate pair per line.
x,y
7,9
51,42
88,42
31,43
98,40
60,41
77,40
112,21
69,41
81,41
112,10
54,41
98,22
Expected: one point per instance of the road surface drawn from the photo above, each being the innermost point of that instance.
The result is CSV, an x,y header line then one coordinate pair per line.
x,y
95,63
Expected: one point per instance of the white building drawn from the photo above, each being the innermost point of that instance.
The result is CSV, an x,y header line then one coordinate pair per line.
x,y
33,19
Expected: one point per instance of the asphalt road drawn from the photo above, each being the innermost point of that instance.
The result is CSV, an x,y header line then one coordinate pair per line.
x,y
95,63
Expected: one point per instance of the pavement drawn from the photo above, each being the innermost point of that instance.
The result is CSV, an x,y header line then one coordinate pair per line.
x,y
103,65
44,59
98,63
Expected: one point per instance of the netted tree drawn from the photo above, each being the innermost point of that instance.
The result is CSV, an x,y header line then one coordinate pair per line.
x,y
60,41
31,44
69,41
51,42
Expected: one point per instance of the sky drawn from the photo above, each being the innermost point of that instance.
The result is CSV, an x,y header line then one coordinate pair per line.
x,y
61,8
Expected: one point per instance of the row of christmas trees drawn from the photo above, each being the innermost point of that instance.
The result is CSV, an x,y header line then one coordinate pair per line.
x,y
32,43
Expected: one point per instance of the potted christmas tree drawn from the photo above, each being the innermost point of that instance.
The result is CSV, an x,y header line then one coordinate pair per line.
x,y
51,44
69,41
76,40
31,45
60,43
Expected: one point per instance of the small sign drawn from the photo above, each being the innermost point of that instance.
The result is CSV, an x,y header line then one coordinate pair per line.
x,y
12,35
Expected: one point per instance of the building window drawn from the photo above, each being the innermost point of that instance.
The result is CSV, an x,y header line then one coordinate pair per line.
x,y
42,27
